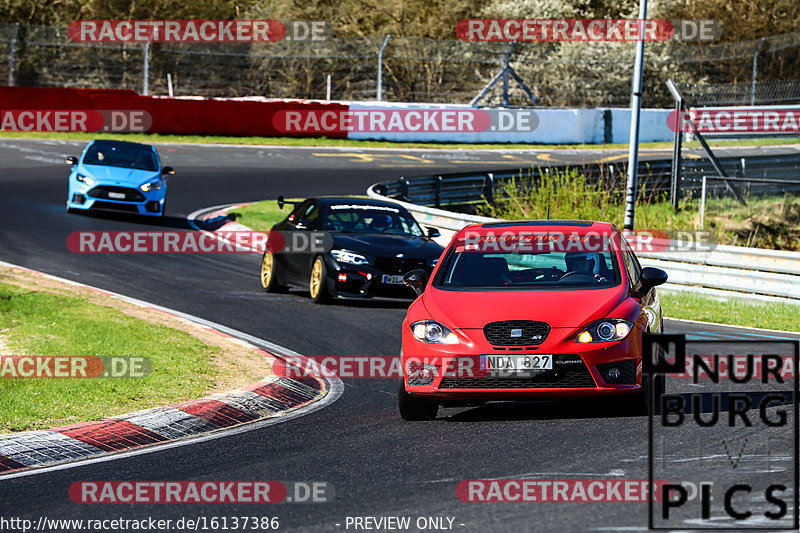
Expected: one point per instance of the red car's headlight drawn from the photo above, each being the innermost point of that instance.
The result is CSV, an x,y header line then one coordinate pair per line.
x,y
432,332
606,330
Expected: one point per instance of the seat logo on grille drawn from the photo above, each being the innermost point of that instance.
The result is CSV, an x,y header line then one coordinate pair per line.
x,y
516,333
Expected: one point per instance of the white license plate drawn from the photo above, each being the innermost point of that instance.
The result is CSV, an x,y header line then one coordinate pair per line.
x,y
392,280
117,195
517,363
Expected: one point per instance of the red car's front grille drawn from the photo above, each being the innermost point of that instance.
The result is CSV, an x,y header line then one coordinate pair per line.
x,y
569,372
516,332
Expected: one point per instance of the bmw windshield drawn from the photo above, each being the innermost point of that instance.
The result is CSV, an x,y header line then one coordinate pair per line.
x,y
358,218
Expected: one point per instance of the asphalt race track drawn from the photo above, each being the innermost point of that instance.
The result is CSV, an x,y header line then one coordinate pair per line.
x,y
378,464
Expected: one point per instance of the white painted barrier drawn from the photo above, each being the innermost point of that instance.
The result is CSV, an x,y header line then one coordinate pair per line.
x,y
555,126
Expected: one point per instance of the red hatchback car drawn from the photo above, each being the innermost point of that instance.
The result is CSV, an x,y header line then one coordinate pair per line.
x,y
529,310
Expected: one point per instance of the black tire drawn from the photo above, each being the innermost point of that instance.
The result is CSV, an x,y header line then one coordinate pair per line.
x,y
318,282
269,280
413,408
640,402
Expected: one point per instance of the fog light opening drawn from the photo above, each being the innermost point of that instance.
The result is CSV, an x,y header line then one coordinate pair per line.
x,y
152,206
78,198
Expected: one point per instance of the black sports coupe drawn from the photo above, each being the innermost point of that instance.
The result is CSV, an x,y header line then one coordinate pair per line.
x,y
363,249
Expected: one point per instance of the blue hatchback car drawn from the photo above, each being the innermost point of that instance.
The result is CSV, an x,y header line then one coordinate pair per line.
x,y
118,176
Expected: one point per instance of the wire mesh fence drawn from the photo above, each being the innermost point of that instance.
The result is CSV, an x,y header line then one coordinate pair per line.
x,y
411,69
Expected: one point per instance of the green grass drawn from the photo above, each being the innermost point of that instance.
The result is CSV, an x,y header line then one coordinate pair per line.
x,y
347,143
43,323
732,311
261,216
771,222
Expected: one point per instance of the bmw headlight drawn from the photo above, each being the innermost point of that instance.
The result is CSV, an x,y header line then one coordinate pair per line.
x,y
151,185
432,332
606,330
343,256
84,179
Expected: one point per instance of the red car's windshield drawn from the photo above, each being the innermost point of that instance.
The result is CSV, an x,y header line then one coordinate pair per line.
x,y
464,270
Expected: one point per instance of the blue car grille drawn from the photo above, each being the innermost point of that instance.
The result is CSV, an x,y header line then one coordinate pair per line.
x,y
101,191
113,206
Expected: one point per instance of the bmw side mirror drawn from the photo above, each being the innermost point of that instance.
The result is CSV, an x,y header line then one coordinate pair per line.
x,y
168,171
651,277
416,280
432,232
72,160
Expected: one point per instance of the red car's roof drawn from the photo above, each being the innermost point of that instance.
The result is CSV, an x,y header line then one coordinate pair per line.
x,y
567,226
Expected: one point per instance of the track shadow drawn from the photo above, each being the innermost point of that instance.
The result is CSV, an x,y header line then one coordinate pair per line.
x,y
172,222
608,407
539,410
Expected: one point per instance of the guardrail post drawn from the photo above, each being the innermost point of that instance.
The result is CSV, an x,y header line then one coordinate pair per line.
x,y
12,54
488,188
404,189
438,191
703,202
379,96
146,73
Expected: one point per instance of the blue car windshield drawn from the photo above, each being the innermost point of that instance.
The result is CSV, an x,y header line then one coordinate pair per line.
x,y
111,155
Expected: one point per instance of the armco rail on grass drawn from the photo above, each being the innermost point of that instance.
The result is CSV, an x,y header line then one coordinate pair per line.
x,y
726,271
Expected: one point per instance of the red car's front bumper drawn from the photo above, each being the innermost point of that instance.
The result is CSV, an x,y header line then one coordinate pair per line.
x,y
579,370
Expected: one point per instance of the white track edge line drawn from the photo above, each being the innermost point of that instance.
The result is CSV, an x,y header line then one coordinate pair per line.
x,y
335,389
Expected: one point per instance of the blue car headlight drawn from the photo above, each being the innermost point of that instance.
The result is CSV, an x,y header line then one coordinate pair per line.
x,y
153,185
84,179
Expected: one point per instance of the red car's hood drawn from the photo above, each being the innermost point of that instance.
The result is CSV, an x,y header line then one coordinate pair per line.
x,y
560,309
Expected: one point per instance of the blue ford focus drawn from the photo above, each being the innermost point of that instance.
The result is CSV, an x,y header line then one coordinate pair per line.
x,y
118,176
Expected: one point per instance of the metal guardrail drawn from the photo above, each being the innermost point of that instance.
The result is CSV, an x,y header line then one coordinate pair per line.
x,y
474,187
728,271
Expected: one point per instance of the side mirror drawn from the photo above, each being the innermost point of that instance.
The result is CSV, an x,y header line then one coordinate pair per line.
x,y
416,280
72,160
432,232
168,171
281,202
651,277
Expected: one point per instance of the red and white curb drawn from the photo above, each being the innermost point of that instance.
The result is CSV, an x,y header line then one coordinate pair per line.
x,y
271,400
220,213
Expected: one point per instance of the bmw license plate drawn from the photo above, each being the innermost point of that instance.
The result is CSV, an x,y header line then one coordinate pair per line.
x,y
392,280
117,195
517,363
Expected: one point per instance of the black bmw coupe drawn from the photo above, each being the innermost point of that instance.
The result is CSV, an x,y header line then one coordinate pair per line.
x,y
363,249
